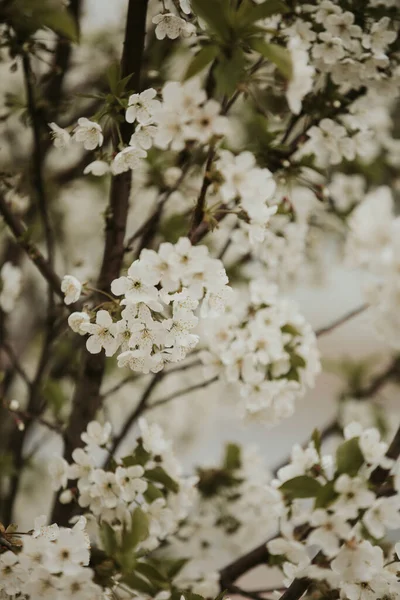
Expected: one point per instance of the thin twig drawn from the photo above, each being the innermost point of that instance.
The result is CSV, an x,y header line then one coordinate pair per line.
x,y
15,362
341,320
140,408
20,233
87,398
179,393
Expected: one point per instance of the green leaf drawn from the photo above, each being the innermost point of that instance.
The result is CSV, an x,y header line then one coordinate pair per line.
x,y
173,567
113,74
297,361
108,538
214,15
301,487
229,72
316,438
349,457
152,493
326,495
264,10
290,329
151,573
135,582
160,476
138,532
199,62
27,16
62,22
276,54
232,459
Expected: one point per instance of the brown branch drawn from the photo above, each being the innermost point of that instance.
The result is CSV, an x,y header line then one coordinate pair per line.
x,y
20,233
179,393
15,362
140,408
199,211
38,157
61,62
341,321
87,397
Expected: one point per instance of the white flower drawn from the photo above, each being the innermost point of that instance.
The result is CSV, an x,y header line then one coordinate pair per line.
x,y
130,481
129,158
102,334
96,434
353,495
346,190
68,553
138,286
358,562
330,530
98,168
88,133
11,573
141,107
301,82
71,288
342,26
330,50
40,529
143,136
380,36
10,286
153,437
171,26
185,6
58,469
106,487
76,319
384,514
61,137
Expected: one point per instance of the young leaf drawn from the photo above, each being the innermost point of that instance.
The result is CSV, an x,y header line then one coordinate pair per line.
x,y
62,22
316,438
108,538
276,54
138,532
135,582
160,476
232,459
349,457
326,495
213,13
199,62
264,10
301,487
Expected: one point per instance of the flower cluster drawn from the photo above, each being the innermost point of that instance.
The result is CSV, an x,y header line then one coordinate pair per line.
x,y
253,188
160,294
148,479
337,514
373,243
267,349
51,562
232,500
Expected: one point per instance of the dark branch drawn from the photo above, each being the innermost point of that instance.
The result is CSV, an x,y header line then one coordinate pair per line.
x,y
341,321
87,398
20,233
133,417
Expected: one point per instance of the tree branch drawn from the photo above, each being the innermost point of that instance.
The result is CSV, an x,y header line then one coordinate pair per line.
x,y
179,393
341,320
87,398
20,233
140,408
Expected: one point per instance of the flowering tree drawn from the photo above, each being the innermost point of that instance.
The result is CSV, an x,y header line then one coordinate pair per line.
x,y
162,192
